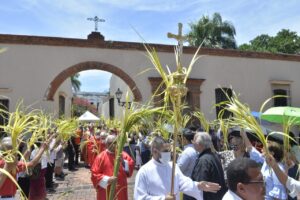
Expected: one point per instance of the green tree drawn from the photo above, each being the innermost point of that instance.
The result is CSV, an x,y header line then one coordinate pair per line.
x,y
213,32
261,43
75,82
285,41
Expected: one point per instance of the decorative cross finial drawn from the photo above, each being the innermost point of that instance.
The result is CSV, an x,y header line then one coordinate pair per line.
x,y
96,20
180,38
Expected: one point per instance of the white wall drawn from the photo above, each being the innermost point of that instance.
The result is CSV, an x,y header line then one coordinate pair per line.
x,y
65,90
28,70
105,110
115,83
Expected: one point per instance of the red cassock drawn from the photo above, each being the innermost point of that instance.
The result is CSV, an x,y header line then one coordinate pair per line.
x,y
104,166
9,188
93,146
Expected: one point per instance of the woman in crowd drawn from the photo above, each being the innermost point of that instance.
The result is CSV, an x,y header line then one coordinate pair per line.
x,y
291,184
274,188
37,189
237,149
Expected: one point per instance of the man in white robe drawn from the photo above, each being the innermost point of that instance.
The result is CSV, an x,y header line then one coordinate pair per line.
x,y
153,180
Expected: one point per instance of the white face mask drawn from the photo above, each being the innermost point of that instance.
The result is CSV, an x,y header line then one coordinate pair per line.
x,y
165,157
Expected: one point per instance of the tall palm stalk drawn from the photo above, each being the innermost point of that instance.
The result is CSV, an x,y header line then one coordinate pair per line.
x,y
132,116
175,89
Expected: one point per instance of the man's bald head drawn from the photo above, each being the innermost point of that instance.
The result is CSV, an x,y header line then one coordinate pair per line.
x,y
6,144
111,142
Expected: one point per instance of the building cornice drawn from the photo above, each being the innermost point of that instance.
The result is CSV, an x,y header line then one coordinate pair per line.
x,y
72,42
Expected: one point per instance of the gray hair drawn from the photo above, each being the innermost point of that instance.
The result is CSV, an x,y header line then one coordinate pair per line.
x,y
157,143
110,139
203,139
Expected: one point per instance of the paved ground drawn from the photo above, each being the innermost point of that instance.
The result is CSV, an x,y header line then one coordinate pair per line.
x,y
77,186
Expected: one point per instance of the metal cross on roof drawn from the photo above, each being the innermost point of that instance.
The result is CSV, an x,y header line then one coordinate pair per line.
x,y
180,38
96,20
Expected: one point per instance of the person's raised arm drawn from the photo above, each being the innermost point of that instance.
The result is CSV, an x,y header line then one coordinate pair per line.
x,y
38,156
291,184
253,152
279,173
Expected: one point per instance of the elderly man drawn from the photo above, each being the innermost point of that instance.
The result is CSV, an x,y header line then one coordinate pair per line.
x,y
7,187
153,180
245,180
208,166
103,169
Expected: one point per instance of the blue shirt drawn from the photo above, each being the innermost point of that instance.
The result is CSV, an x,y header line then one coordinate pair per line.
x,y
187,159
274,189
142,144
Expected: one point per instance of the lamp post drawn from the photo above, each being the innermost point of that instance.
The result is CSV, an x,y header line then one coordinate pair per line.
x,y
119,94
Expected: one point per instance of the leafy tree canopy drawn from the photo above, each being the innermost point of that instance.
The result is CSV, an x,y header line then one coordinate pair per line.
x,y
285,41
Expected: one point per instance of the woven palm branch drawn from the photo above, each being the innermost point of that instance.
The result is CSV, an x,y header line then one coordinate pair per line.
x,y
131,117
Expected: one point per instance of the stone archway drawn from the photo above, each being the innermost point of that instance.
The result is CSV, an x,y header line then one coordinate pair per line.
x,y
61,77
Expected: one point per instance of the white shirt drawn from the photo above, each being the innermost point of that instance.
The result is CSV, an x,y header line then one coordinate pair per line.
x,y
293,186
274,189
153,182
229,195
52,153
43,159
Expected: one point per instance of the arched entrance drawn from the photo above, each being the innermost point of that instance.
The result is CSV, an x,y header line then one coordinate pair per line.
x,y
61,77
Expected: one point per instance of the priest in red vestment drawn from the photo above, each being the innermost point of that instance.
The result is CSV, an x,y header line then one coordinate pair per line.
x,y
102,171
95,146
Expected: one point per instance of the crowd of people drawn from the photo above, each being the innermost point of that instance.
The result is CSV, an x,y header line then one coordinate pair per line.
x,y
205,168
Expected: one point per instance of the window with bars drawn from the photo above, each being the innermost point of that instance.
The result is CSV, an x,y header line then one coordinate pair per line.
x,y
221,96
282,88
281,101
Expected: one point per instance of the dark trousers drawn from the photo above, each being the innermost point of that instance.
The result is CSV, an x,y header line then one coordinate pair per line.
x,y
24,183
145,156
49,175
71,156
187,197
76,148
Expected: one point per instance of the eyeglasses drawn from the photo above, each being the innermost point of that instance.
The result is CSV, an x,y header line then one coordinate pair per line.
x,y
253,182
256,182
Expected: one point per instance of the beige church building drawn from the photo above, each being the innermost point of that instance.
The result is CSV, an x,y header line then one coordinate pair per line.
x,y
38,69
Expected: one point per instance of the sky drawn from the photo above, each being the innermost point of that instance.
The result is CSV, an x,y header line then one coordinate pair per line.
x,y
152,19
